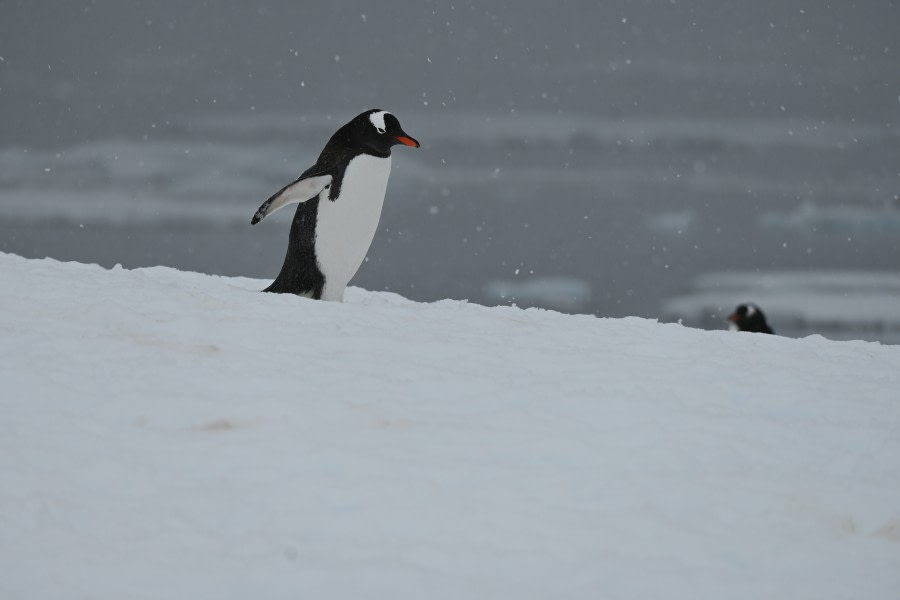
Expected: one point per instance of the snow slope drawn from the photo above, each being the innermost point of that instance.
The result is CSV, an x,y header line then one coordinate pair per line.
x,y
177,435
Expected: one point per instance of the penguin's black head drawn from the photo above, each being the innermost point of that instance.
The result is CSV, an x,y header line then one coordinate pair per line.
x,y
376,131
748,317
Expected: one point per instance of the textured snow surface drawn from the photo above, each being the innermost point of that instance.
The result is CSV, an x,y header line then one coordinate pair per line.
x,y
176,435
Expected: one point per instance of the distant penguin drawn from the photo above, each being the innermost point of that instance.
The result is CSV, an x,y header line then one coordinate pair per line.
x,y
340,203
748,317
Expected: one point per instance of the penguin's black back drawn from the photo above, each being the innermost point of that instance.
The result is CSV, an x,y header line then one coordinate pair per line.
x,y
300,272
749,317
757,325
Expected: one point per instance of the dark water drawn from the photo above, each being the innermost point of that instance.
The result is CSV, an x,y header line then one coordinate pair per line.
x,y
627,145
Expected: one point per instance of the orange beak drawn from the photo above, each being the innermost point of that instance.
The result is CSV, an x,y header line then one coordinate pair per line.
x,y
406,141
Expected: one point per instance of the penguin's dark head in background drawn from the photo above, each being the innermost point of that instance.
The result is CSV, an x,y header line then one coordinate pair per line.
x,y
748,317
377,131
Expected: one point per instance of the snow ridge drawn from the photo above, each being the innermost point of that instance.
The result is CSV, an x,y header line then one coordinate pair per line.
x,y
170,434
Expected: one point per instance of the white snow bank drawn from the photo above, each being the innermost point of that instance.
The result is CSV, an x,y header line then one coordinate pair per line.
x,y
177,435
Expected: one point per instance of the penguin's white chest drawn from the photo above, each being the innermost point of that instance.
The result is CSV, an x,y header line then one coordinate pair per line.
x,y
346,226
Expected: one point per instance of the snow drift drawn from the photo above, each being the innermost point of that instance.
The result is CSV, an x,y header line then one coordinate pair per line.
x,y
177,435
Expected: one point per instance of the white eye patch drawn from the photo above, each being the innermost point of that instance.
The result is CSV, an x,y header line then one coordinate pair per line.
x,y
377,119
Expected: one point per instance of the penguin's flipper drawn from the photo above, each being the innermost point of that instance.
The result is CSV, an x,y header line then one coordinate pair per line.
x,y
300,190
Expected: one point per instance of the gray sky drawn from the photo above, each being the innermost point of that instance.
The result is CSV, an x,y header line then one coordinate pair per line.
x,y
77,69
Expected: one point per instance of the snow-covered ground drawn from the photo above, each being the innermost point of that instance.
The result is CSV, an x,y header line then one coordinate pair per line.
x,y
168,434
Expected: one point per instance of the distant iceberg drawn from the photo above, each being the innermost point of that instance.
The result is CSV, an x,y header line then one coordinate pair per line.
x,y
835,304
836,219
559,293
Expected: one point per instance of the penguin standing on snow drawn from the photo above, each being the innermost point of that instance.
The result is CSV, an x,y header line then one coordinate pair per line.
x,y
748,317
340,203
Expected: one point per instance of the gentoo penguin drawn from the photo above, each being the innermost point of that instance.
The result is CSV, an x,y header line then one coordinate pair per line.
x,y
748,317
340,203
